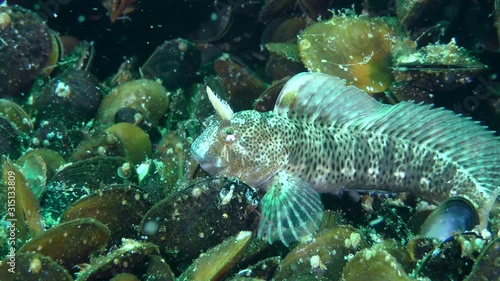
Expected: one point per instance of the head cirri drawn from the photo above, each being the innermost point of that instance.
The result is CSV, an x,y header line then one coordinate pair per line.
x,y
237,144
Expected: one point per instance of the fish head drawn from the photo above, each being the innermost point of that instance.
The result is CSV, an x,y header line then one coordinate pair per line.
x,y
242,147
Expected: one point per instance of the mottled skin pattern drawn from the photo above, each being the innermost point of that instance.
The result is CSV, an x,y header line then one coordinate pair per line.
x,y
324,136
328,158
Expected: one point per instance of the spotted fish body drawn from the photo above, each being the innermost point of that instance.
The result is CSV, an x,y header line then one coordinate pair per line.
x,y
324,136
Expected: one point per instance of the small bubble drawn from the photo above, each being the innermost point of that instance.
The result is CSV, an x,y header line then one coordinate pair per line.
x,y
150,227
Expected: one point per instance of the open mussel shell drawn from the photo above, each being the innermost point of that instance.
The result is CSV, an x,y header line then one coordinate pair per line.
x,y
199,217
32,267
69,243
50,158
487,266
16,115
323,257
454,215
112,206
35,173
80,57
131,257
218,261
84,177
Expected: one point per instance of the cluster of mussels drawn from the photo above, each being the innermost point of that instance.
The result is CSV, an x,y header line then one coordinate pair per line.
x,y
97,178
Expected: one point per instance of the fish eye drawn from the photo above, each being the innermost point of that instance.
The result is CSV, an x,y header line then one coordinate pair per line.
x,y
228,134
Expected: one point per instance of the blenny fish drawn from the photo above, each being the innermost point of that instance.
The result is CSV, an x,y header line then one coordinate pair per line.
x,y
324,137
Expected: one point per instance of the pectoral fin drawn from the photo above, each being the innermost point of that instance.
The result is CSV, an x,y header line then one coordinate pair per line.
x,y
291,209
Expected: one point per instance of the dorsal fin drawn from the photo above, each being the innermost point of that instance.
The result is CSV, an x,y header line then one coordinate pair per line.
x,y
221,107
317,97
467,144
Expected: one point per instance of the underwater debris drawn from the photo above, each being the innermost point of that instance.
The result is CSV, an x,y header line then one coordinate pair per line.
x,y
357,49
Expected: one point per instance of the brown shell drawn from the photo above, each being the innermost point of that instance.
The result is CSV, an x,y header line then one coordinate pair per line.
x,y
70,243
113,206
199,217
32,267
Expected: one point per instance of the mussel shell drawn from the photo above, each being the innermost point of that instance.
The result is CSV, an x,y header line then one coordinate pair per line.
x,y
158,269
487,266
199,217
51,158
35,173
267,99
315,9
437,67
133,116
284,60
136,143
218,261
283,30
409,91
131,257
32,267
81,55
56,136
173,164
70,243
16,115
435,78
262,270
452,259
99,144
71,97
242,85
26,45
274,8
11,141
323,258
175,62
373,264
83,178
112,206
213,30
455,214
148,97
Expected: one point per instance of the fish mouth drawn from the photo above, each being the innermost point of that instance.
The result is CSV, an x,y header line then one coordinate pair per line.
x,y
211,164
